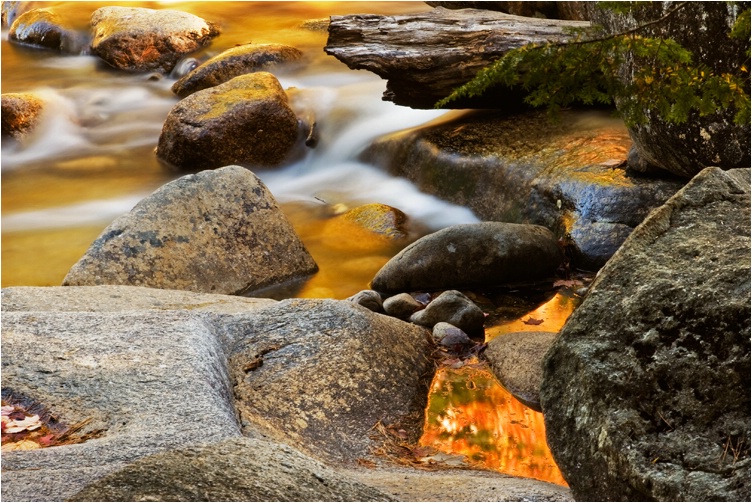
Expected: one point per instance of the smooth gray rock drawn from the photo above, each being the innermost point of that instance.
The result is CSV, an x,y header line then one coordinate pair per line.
x,y
646,392
516,360
446,334
402,306
454,308
566,175
246,121
218,231
369,299
233,62
139,39
238,469
471,255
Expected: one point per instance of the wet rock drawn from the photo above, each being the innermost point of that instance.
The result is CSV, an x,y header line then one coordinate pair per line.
x,y
447,335
454,308
138,39
647,387
239,60
9,11
245,121
239,469
402,306
714,139
45,28
217,231
471,255
369,299
517,362
155,371
380,219
20,114
568,176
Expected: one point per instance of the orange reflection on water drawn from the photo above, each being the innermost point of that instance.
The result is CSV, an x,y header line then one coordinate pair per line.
x,y
548,317
469,413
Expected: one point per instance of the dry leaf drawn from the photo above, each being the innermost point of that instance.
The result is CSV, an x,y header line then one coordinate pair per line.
x,y
532,321
21,445
569,283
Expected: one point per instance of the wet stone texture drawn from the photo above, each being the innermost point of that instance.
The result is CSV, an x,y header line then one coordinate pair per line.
x,y
646,392
20,114
568,176
46,29
218,231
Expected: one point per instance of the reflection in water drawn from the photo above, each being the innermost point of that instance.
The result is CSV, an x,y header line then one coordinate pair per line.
x,y
469,413
550,316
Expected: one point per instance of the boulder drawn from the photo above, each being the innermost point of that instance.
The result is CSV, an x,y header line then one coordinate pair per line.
x,y
238,60
646,392
472,255
144,40
712,140
246,121
45,28
20,114
567,174
239,469
402,306
425,56
218,231
516,360
454,308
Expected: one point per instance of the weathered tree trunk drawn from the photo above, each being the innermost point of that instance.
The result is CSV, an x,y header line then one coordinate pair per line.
x,y
425,56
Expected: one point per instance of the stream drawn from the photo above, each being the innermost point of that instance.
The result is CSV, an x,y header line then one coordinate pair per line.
x,y
92,159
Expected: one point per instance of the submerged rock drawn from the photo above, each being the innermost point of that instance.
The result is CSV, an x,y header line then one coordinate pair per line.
x,y
454,308
517,362
139,39
218,231
46,29
379,219
568,176
239,60
245,121
646,392
472,255
20,114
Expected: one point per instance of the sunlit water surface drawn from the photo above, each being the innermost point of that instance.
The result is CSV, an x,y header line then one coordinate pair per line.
x,y
92,159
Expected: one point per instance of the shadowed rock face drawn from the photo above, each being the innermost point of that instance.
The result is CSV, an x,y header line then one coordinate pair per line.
x,y
471,255
46,29
138,39
646,392
218,231
246,121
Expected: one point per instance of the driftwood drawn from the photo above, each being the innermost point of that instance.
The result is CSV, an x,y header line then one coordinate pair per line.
x,y
425,56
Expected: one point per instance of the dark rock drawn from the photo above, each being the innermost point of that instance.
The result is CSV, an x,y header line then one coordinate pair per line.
x,y
566,175
218,231
20,114
517,362
239,60
646,392
703,28
447,335
369,299
454,308
471,255
138,39
45,28
425,56
245,121
402,306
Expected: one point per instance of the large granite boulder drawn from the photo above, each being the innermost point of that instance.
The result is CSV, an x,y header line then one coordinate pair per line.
x,y
217,231
139,39
246,121
154,372
471,255
646,392
233,62
566,175
703,28
20,114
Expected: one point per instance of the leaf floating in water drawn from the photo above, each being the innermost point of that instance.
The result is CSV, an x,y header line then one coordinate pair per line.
x,y
532,321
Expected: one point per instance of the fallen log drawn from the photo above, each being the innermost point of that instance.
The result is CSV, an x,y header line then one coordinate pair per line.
x,y
425,56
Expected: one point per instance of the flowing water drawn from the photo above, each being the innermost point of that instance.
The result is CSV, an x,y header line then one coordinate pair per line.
x,y
92,158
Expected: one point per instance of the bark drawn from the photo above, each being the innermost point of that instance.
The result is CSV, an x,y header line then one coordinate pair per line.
x,y
425,56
